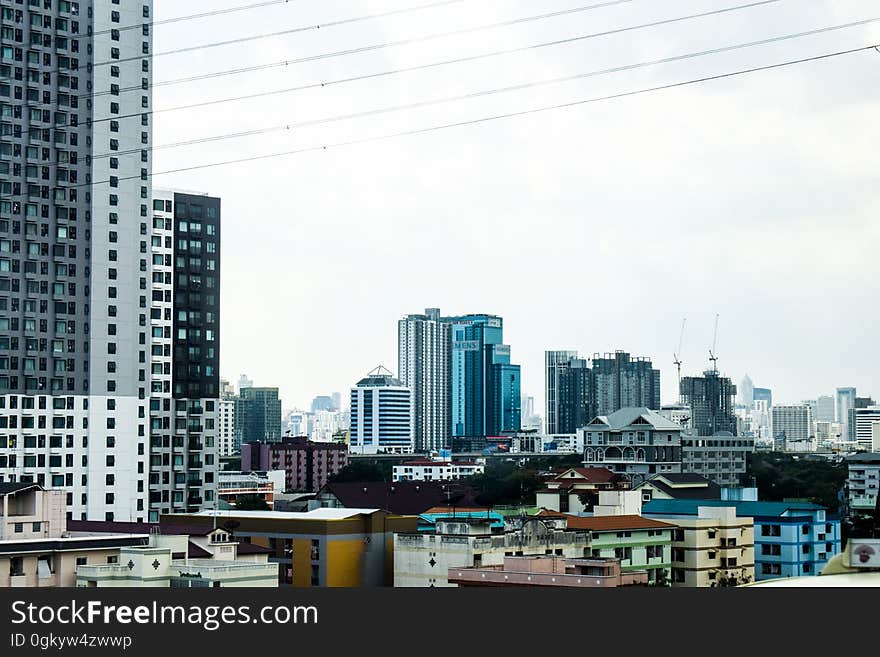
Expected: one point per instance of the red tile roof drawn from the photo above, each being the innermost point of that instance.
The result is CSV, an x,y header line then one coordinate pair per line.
x,y
593,475
607,523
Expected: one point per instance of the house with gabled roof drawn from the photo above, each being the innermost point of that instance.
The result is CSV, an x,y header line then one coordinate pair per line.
x,y
574,490
632,442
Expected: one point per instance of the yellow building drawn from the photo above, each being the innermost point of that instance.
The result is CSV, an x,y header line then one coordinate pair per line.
x,y
715,548
322,547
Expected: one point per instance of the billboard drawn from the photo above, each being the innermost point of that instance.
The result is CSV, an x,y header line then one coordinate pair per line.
x,y
864,553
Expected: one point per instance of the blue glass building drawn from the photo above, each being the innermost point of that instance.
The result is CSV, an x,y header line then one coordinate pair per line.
x,y
485,384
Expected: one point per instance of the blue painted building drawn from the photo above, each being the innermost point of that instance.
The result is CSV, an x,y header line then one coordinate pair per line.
x,y
428,520
485,384
792,539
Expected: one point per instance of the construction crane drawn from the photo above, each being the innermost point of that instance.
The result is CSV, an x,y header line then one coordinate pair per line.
x,y
677,355
712,356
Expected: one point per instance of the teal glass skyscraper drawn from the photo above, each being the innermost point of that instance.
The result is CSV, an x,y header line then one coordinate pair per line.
x,y
485,385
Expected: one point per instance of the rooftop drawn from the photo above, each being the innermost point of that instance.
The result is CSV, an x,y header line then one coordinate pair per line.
x,y
407,498
627,417
8,488
743,509
607,523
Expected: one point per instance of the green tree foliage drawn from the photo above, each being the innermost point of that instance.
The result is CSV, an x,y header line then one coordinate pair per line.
x,y
251,503
507,482
363,470
783,476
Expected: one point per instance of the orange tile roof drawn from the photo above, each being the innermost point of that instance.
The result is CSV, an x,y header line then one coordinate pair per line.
x,y
608,523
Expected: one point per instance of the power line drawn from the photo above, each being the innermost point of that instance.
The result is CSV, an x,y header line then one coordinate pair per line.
x,y
205,14
489,92
89,65
403,42
316,85
496,117
544,82
294,30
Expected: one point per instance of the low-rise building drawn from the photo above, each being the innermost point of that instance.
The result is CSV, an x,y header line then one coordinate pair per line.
x,y
423,559
264,485
210,558
639,544
36,548
573,490
721,458
791,539
635,442
307,465
436,470
318,548
683,486
541,571
713,547
863,482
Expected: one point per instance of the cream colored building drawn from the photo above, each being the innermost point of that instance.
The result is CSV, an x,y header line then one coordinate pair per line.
x,y
37,551
210,560
715,548
423,559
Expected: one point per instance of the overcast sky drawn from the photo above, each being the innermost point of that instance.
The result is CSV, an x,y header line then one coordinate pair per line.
x,y
596,227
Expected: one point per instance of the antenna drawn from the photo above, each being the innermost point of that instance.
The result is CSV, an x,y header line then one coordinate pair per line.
x,y
712,356
677,355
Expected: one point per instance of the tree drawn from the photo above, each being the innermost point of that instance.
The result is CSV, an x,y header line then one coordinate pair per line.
x,y
360,470
251,503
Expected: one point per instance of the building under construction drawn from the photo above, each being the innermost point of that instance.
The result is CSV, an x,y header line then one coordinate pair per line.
x,y
710,398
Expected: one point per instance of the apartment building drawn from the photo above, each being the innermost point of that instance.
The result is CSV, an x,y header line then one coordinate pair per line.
x,y
712,548
210,558
36,548
318,548
424,559
863,482
436,470
74,238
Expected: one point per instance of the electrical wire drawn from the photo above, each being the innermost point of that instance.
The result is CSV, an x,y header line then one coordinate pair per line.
x,y
489,92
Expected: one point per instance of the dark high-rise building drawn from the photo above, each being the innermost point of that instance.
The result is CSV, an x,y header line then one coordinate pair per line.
x,y
257,415
584,389
711,400
185,417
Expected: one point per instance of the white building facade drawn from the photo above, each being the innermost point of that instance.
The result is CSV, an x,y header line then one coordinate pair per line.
x,y
381,415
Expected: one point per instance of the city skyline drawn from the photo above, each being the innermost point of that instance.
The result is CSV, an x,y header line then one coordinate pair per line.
x,y
380,230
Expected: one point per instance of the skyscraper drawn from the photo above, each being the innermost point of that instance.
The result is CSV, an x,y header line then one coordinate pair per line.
x,y
75,283
257,415
746,392
424,363
621,381
793,428
763,395
846,401
824,408
185,420
710,398
584,388
381,415
485,385
554,363
864,421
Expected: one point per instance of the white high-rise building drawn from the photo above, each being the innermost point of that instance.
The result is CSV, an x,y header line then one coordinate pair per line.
x,y
424,366
226,426
793,428
381,415
865,419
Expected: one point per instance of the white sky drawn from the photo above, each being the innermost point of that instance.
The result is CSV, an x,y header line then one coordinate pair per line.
x,y
593,228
